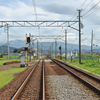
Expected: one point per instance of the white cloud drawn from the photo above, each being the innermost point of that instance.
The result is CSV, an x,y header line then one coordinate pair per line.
x,y
22,11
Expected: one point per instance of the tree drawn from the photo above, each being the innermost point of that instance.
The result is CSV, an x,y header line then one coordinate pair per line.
x,y
15,50
19,51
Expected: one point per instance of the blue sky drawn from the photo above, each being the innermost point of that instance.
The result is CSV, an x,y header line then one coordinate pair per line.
x,y
50,10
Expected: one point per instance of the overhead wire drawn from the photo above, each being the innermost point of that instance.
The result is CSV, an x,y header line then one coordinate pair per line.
x,y
78,8
91,8
87,5
92,12
33,1
83,4
34,5
76,12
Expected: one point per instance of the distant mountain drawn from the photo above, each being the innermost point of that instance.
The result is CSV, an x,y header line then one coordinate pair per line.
x,y
17,43
4,49
46,46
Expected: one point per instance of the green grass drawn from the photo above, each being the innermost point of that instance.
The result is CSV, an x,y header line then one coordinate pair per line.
x,y
3,61
11,57
7,75
92,66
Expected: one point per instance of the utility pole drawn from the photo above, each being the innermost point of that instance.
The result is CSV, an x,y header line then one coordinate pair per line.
x,y
41,50
37,49
92,42
30,45
2,49
33,48
65,45
52,49
79,36
8,39
26,47
55,48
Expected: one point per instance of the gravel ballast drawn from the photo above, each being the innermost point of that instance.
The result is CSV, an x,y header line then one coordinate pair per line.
x,y
61,85
64,88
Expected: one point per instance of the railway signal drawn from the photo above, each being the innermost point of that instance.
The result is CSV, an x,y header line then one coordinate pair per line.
x,y
28,39
60,51
59,47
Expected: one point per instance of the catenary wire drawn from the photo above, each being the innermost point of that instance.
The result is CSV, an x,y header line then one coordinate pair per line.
x,y
76,12
91,8
83,4
92,12
33,1
78,8
87,5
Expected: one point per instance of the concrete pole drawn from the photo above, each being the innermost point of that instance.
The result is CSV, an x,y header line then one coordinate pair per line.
x,y
52,49
8,39
65,45
79,37
26,47
30,45
2,49
37,49
92,42
33,48
55,48
41,50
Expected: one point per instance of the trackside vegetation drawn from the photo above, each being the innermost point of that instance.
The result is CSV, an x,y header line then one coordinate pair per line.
x,y
7,75
91,63
3,61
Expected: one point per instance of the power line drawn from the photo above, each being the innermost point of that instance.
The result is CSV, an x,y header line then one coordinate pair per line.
x,y
83,4
92,12
33,1
71,28
73,16
87,5
76,12
78,8
91,9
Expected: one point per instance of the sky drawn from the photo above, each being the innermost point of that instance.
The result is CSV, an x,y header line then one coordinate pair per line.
x,y
13,10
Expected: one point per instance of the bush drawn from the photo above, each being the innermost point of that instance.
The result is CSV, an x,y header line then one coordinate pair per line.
x,y
1,56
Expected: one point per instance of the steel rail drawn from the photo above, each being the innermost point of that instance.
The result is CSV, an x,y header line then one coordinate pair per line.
x,y
95,89
87,74
43,82
24,83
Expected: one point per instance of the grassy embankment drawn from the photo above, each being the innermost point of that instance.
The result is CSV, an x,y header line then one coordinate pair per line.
x,y
7,75
11,58
91,63
3,61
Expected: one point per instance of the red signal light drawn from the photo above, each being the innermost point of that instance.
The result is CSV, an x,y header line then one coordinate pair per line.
x,y
28,39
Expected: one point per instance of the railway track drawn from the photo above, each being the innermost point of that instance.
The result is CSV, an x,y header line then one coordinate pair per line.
x,y
48,81
89,80
31,87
